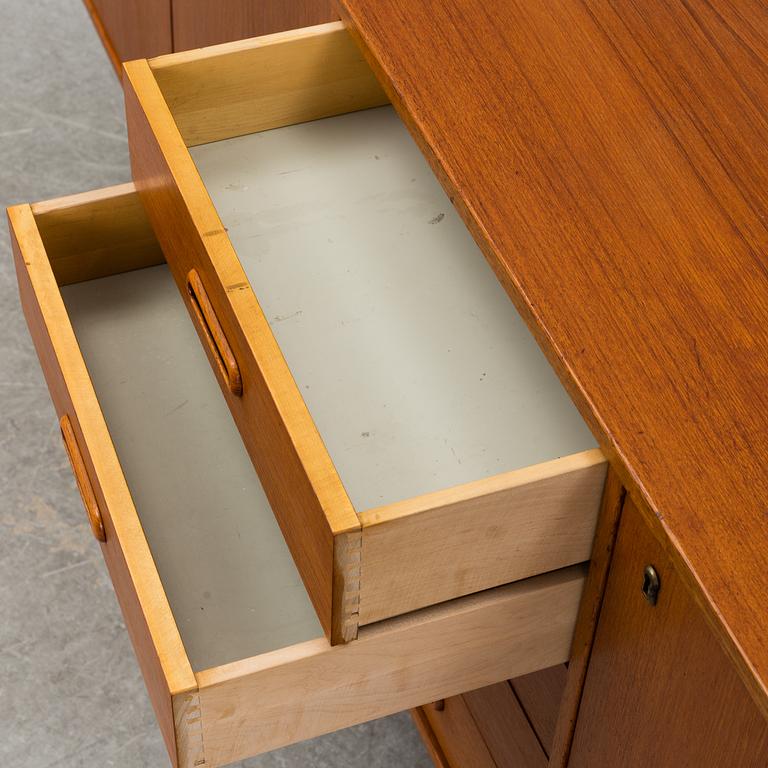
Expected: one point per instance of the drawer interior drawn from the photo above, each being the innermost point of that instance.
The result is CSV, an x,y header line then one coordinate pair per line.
x,y
417,369
225,567
411,438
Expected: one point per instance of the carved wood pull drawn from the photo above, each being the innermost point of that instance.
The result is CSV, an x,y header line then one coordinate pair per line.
x,y
213,333
82,479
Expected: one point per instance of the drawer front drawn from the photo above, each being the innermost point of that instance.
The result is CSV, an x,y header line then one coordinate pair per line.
x,y
310,503
213,716
359,566
96,220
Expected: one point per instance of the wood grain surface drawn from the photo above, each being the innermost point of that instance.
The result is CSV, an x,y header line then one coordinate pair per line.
x,y
482,534
429,737
611,159
95,234
254,85
302,691
541,694
586,624
301,484
505,725
206,22
147,615
457,734
660,691
132,29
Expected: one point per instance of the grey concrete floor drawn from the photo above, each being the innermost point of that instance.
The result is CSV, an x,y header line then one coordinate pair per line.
x,y
70,691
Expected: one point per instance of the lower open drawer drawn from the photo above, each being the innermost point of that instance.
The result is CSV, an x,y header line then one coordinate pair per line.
x,y
232,652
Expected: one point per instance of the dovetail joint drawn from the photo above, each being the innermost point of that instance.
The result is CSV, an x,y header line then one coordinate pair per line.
x,y
349,565
189,731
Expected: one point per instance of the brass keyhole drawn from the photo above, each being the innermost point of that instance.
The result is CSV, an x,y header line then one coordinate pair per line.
x,y
651,584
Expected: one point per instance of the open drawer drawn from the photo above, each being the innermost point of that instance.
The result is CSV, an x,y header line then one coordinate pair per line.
x,y
412,439
233,655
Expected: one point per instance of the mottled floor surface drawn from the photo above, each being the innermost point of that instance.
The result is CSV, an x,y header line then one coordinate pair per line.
x,y
70,690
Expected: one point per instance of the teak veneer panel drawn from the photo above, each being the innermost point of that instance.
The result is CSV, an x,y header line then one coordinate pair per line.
x,y
148,618
611,160
263,703
207,22
130,29
660,691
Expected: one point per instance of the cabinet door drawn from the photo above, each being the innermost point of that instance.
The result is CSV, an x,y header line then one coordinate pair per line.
x,y
660,691
207,22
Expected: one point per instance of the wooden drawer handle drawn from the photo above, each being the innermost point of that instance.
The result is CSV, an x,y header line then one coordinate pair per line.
x,y
82,479
214,334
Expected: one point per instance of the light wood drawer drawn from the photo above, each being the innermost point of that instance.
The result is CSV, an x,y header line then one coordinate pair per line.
x,y
414,443
233,655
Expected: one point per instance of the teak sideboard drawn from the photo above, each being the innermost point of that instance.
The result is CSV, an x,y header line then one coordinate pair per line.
x,y
422,365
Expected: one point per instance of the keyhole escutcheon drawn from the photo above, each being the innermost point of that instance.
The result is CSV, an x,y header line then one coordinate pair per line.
x,y
651,584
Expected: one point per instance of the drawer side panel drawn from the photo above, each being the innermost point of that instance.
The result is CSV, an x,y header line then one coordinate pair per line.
x,y
491,532
301,692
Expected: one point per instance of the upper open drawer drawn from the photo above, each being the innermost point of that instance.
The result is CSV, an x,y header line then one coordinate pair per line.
x,y
233,655
412,439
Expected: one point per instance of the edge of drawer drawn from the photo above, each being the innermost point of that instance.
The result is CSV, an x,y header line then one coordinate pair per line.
x,y
147,614
311,506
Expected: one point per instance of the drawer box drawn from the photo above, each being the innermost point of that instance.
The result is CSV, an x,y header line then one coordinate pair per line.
x,y
233,655
412,440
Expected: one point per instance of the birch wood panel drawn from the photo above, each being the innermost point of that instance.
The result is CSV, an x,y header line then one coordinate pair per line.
x,y
313,688
438,546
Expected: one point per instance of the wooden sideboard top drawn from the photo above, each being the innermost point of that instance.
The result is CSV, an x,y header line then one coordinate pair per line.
x,y
611,159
